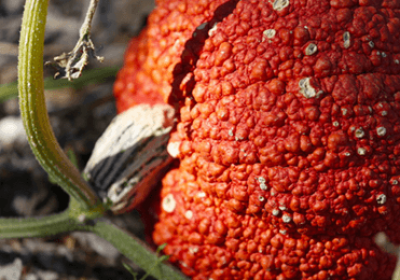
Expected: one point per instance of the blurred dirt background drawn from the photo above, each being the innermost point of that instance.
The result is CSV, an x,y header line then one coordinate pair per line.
x,y
78,118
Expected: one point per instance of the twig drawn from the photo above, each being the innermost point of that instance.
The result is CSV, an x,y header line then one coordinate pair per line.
x,y
70,66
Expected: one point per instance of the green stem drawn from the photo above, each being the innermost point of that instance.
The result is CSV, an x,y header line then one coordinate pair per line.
x,y
136,251
33,108
74,218
36,227
129,245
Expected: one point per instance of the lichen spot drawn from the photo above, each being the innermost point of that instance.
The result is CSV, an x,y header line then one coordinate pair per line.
x,y
286,219
263,186
282,207
381,199
184,264
336,123
169,203
189,214
371,44
193,250
173,149
311,49
381,131
261,180
201,194
361,151
395,182
280,4
268,34
306,89
213,29
359,133
275,212
346,39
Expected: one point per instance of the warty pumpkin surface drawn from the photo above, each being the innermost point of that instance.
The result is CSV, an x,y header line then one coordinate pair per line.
x,y
287,139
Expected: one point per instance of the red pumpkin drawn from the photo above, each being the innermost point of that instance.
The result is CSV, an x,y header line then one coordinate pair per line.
x,y
287,136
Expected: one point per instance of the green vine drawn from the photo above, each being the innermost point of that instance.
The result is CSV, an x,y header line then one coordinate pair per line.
x,y
36,227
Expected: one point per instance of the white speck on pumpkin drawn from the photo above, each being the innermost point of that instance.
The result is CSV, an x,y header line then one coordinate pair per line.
x,y
169,203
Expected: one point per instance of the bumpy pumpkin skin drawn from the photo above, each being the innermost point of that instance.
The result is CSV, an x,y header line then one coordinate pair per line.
x,y
288,134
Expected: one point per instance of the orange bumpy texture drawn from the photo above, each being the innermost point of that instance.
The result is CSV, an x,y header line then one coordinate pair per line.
x,y
288,132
